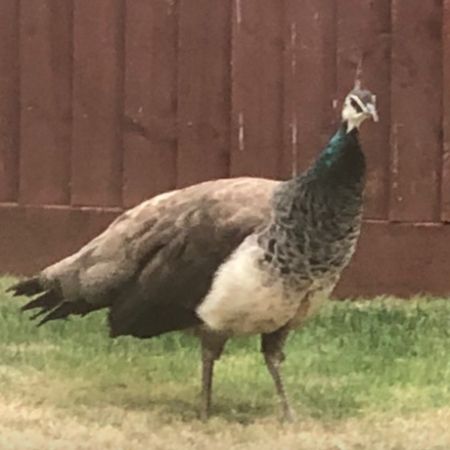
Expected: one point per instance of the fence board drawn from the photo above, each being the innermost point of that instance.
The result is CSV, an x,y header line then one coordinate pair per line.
x,y
309,80
204,90
98,86
257,97
416,91
32,237
445,187
403,259
150,99
45,89
364,45
9,104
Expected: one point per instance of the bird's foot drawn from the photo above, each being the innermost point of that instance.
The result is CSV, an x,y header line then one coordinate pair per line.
x,y
289,415
204,414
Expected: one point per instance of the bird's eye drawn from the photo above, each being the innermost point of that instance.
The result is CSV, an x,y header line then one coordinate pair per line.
x,y
355,105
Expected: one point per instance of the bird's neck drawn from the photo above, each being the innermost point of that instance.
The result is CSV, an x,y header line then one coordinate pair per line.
x,y
325,202
342,161
334,183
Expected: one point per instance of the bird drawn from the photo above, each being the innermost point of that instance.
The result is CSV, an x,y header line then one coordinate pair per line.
x,y
222,258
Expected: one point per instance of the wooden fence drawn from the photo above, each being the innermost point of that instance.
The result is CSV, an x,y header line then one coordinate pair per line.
x,y
104,103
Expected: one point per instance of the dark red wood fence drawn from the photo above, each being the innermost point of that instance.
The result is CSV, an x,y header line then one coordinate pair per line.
x,y
104,103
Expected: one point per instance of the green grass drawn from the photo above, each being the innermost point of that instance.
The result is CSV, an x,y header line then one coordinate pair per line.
x,y
354,359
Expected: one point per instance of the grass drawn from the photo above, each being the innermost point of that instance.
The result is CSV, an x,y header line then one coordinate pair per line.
x,y
356,366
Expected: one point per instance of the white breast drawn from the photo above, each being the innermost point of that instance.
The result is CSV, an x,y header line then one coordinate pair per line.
x,y
245,298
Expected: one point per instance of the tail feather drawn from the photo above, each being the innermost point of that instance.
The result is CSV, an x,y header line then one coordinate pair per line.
x,y
47,301
38,314
51,303
28,287
65,309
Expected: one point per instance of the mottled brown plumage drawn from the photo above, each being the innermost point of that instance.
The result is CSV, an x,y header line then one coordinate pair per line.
x,y
162,251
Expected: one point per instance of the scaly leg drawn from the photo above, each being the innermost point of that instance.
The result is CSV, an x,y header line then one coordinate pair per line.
x,y
272,348
212,348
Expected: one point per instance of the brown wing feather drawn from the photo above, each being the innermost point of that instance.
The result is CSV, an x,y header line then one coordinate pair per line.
x,y
155,262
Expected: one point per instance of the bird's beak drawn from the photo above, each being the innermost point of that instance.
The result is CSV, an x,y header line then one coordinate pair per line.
x,y
371,110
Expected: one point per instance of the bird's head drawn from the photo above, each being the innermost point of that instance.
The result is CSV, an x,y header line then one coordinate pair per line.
x,y
359,105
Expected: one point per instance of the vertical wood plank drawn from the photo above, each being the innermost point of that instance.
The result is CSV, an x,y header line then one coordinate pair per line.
x,y
310,81
150,99
98,102
416,91
364,43
45,86
9,104
445,186
204,90
257,91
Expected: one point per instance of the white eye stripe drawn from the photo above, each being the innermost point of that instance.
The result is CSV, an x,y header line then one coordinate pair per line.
x,y
359,102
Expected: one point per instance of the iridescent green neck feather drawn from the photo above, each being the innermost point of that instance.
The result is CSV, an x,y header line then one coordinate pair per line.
x,y
342,160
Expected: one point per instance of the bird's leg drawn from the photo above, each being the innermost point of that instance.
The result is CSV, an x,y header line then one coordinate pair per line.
x,y
212,347
272,348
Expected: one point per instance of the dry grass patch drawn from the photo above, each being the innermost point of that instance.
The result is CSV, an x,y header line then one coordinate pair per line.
x,y
34,427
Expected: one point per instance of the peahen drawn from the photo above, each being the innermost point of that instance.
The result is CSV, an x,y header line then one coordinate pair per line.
x,y
224,258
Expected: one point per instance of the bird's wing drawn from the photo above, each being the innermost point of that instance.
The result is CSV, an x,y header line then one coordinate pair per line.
x,y
154,264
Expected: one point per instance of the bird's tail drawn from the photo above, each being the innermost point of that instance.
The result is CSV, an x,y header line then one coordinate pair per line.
x,y
50,303
27,287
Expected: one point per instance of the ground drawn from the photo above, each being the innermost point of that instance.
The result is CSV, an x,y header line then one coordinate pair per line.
x,y
362,375
36,427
